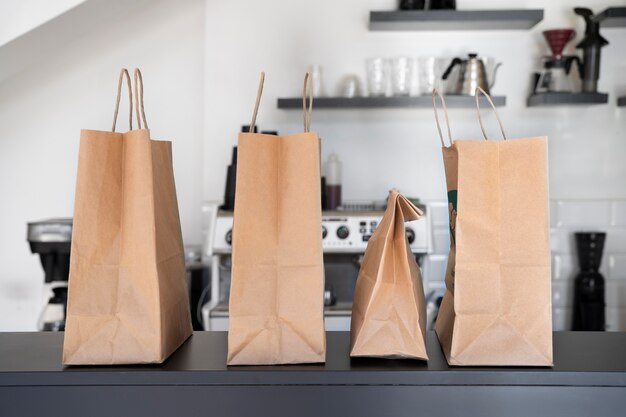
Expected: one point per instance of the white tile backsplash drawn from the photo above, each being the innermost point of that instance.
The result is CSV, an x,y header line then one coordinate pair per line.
x,y
561,319
438,213
563,267
554,213
562,294
615,241
615,293
617,267
583,213
562,241
619,213
616,319
436,267
441,241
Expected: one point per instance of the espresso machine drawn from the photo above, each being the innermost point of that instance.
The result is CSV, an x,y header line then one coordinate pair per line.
x,y
345,233
51,240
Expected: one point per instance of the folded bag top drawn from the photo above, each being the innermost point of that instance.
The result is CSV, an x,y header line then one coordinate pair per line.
x,y
128,300
389,308
496,309
276,308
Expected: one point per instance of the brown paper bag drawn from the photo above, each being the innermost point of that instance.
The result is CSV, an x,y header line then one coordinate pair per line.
x,y
497,306
276,311
389,310
128,299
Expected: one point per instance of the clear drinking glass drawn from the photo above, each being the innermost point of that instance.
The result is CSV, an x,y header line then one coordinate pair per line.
x,y
430,70
377,70
401,76
318,85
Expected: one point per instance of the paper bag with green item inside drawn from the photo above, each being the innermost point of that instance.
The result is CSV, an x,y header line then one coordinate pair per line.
x,y
496,310
389,310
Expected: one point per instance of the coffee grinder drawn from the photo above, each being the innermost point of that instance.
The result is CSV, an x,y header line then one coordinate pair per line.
x,y
51,240
591,46
589,292
554,77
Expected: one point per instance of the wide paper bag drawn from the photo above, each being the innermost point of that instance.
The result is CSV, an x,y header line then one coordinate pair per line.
x,y
127,301
389,310
276,309
496,309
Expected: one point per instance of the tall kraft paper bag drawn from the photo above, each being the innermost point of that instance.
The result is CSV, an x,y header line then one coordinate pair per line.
x,y
127,301
276,309
497,306
389,310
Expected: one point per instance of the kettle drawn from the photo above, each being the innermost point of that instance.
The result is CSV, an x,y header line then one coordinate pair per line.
x,y
472,75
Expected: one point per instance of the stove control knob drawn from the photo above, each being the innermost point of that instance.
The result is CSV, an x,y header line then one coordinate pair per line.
x,y
343,232
229,237
324,232
410,235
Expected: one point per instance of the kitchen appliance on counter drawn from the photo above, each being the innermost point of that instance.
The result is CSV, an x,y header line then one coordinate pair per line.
x,y
589,297
51,240
344,238
555,74
474,72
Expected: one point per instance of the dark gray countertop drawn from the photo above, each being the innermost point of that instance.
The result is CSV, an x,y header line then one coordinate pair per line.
x,y
581,359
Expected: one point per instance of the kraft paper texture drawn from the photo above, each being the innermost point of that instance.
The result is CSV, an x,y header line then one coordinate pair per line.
x,y
128,300
497,306
276,308
389,310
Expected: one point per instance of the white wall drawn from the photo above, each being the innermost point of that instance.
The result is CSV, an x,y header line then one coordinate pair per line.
x,y
43,109
201,65
17,17
400,148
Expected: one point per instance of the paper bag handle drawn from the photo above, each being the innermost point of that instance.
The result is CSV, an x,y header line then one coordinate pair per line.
x,y
139,98
123,75
445,112
493,106
257,102
308,82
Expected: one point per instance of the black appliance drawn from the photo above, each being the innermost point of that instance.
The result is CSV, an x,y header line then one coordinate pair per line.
x,y
51,240
589,302
591,45
231,178
427,5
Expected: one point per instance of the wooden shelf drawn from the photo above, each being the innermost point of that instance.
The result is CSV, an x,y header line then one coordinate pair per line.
x,y
386,102
556,99
520,19
613,17
621,101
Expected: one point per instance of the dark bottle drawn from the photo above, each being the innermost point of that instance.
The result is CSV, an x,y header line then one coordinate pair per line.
x,y
231,183
589,302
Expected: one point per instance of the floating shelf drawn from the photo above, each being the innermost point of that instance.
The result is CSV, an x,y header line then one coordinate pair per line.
x,y
386,102
613,17
621,101
519,19
555,99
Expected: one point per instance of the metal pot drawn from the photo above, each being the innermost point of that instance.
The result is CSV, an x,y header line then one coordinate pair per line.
x,y
472,74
